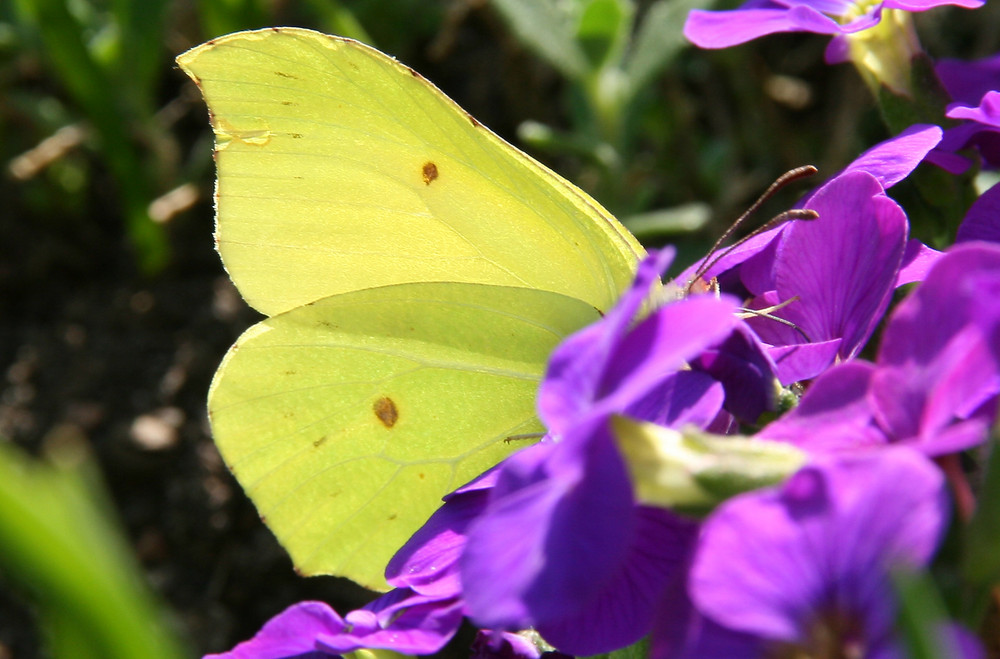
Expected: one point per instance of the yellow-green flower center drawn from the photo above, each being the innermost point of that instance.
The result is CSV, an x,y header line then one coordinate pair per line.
x,y
883,52
858,9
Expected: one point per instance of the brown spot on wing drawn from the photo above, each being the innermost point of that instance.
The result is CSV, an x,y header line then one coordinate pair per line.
x,y
285,75
386,411
429,172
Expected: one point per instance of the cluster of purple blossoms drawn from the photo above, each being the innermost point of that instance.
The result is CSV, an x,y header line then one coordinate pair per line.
x,y
562,540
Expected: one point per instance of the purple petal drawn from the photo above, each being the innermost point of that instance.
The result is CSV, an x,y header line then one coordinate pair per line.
x,y
607,367
966,81
838,50
982,222
803,361
757,272
917,260
834,414
892,160
734,257
955,139
771,562
576,367
291,633
683,398
987,112
569,388
545,546
981,129
722,29
428,562
623,611
746,371
401,621
938,358
843,265
950,162
662,343
959,436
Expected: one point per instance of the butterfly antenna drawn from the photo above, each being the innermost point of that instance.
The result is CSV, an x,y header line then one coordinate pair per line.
x,y
769,314
783,180
781,218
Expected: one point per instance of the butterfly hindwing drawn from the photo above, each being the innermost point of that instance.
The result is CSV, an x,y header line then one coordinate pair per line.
x,y
347,419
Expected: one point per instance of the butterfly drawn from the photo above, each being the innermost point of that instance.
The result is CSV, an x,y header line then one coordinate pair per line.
x,y
415,271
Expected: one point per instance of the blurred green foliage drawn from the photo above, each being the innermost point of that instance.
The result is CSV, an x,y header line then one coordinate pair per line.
x,y
610,58
107,59
58,543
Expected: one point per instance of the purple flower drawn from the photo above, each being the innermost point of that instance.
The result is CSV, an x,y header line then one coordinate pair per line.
x,y
879,40
742,366
836,273
618,366
562,546
400,620
805,566
503,645
981,128
982,222
975,89
935,381
967,81
418,617
757,18
749,266
938,368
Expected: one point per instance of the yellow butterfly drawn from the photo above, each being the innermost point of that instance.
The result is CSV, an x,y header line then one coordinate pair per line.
x,y
417,271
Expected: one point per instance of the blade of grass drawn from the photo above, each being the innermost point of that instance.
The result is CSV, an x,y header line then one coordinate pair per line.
x,y
57,542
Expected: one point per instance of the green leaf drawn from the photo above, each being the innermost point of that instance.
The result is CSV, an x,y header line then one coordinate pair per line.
x,y
548,28
99,96
638,650
140,53
981,559
659,40
921,620
669,221
603,31
57,542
